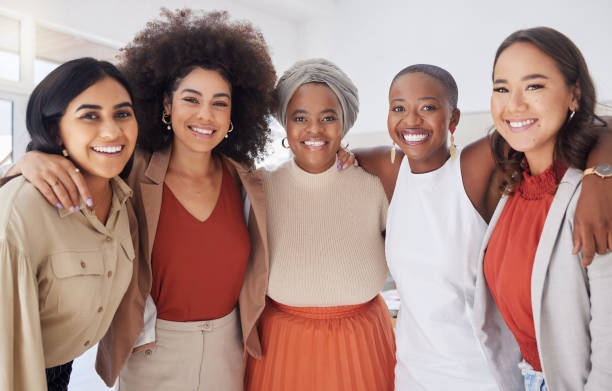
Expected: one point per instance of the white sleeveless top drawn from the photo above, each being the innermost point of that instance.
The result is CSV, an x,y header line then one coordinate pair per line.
x,y
433,238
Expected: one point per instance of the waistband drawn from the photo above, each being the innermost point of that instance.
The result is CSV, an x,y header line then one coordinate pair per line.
x,y
343,311
201,325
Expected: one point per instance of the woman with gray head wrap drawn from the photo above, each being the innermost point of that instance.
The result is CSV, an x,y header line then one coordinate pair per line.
x,y
325,326
318,70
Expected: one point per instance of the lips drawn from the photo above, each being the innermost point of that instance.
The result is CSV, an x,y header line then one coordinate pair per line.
x,y
202,131
114,149
314,144
519,125
414,136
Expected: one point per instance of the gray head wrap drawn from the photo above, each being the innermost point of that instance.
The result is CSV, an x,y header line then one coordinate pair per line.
x,y
318,70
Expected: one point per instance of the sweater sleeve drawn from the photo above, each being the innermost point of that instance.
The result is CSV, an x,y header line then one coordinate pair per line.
x,y
600,284
22,363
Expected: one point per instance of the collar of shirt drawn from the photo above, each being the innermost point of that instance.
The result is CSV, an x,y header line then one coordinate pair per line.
x,y
121,193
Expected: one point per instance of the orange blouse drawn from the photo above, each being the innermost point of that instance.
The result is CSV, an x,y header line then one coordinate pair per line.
x,y
198,267
510,255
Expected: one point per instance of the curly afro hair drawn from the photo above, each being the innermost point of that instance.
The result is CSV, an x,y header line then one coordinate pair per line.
x,y
170,47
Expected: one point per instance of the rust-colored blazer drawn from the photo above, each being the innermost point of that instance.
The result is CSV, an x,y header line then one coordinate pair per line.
x,y
146,180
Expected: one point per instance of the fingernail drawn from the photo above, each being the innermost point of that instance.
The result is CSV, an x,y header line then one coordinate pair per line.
x,y
355,163
338,165
75,209
59,205
89,202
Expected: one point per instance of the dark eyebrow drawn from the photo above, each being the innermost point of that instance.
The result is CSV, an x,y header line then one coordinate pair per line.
x,y
428,98
123,104
90,107
525,78
217,95
326,111
299,111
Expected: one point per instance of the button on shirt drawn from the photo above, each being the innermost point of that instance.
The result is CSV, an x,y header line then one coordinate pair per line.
x,y
62,276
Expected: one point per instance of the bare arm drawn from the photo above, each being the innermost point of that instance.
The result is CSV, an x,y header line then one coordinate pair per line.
x,y
377,161
593,218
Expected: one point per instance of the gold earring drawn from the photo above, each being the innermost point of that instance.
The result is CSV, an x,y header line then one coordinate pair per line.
x,y
231,128
283,143
65,152
393,152
453,147
167,120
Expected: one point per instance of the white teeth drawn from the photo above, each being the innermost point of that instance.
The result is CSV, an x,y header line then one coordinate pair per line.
x,y
113,149
202,131
520,124
414,137
314,143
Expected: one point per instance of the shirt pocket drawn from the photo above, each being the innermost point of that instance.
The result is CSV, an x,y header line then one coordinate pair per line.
x,y
78,284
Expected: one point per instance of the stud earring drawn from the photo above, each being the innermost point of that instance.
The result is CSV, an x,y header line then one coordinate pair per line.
x,y
393,152
65,152
166,120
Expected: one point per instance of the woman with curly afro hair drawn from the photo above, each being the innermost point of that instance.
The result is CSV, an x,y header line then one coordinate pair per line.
x,y
202,95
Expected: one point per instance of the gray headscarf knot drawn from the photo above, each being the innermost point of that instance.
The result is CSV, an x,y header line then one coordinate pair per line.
x,y
318,70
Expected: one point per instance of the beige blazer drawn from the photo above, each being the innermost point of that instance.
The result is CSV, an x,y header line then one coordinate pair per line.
x,y
572,307
146,180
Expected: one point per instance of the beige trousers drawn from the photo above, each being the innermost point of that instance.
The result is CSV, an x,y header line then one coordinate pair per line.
x,y
202,356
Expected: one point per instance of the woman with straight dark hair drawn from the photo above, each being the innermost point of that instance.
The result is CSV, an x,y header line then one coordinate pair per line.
x,y
535,305
63,272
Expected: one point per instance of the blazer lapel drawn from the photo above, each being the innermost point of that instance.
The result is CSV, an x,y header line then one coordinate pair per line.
x,y
151,188
550,232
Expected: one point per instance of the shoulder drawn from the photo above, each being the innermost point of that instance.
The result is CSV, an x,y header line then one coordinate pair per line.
x,y
377,161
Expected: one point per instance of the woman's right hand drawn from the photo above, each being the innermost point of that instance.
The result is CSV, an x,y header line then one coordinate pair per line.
x,y
58,180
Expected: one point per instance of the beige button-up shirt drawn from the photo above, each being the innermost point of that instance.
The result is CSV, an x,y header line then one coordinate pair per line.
x,y
62,276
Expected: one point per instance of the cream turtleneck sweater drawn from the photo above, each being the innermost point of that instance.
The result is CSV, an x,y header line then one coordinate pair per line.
x,y
325,236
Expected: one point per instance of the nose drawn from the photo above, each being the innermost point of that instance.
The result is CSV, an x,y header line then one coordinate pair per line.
x,y
204,112
517,102
110,130
315,128
412,118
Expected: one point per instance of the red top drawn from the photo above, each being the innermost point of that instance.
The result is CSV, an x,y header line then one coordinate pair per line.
x,y
510,254
198,267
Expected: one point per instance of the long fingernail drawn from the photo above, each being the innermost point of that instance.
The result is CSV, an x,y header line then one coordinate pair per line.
x,y
89,202
59,205
355,163
338,165
75,209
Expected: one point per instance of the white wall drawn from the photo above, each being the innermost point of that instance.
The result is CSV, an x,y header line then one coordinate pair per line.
x,y
372,41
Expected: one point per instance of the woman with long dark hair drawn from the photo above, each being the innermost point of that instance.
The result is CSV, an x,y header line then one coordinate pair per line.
x,y
536,306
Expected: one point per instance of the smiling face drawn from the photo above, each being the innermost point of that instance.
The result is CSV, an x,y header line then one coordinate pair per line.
x,y
419,118
530,102
200,110
99,129
314,126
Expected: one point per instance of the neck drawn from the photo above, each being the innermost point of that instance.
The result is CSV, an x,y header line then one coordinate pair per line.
x,y
191,163
431,162
102,194
540,160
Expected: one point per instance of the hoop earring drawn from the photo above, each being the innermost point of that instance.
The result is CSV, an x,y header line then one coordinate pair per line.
x,y
453,147
231,128
283,143
166,120
393,152
571,116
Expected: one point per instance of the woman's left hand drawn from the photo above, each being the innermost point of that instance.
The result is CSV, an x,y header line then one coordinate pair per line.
x,y
593,218
346,158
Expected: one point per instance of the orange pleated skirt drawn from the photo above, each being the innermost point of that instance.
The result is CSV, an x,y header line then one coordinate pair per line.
x,y
346,348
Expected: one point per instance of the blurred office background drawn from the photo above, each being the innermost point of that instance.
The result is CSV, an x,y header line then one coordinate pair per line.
x,y
370,40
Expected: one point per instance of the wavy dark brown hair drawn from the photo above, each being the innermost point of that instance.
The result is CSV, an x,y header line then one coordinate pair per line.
x,y
170,47
579,134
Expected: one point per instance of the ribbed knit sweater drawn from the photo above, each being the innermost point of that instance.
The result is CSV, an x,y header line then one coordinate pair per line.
x,y
325,236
